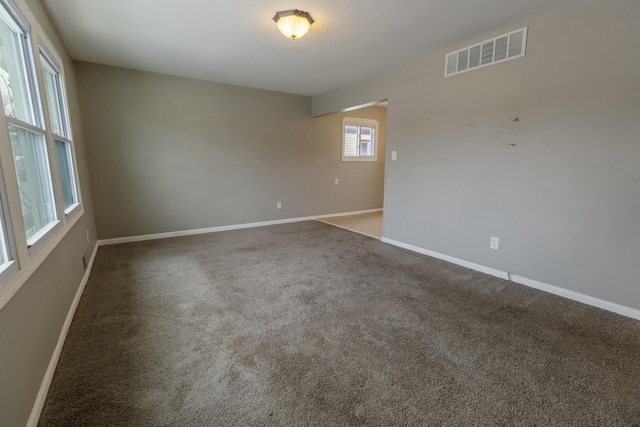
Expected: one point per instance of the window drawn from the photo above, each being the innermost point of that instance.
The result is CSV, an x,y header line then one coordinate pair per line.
x,y
65,168
54,93
14,81
39,195
28,141
34,181
359,139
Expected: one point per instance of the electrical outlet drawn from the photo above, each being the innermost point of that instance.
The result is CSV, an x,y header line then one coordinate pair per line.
x,y
337,181
394,155
495,242
279,205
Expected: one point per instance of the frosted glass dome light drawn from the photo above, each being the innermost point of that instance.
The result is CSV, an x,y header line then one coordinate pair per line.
x,y
293,23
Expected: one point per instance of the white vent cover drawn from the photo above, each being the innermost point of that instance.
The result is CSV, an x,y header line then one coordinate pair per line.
x,y
502,48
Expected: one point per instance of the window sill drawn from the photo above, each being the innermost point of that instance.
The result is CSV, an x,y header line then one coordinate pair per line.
x,y
9,288
41,237
360,159
7,270
72,210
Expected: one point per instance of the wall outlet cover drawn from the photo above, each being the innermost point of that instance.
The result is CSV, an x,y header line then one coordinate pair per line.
x,y
495,242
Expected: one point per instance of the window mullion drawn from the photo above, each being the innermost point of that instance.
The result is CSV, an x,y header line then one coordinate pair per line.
x,y
28,126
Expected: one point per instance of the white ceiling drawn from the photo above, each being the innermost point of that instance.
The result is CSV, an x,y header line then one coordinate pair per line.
x,y
236,42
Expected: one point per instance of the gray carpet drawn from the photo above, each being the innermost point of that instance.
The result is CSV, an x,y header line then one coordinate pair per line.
x,y
308,324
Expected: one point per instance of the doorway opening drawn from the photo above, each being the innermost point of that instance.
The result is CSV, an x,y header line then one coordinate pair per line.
x,y
363,126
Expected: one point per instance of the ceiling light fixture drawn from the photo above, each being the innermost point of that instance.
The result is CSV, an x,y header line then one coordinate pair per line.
x,y
293,23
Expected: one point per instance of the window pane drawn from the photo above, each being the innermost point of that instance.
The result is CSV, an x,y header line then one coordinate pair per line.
x,y
53,90
351,141
4,255
65,169
366,141
34,182
13,83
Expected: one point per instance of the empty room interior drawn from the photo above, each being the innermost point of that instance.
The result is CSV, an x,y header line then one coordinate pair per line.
x,y
320,213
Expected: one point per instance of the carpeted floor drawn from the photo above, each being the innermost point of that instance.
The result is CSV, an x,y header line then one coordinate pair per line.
x,y
309,324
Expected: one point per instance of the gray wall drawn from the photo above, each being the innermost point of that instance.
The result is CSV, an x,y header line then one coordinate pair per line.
x,y
169,153
565,200
31,322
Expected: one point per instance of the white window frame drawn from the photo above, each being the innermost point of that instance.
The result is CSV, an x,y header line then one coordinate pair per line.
x,y
66,126
355,121
7,244
26,257
20,24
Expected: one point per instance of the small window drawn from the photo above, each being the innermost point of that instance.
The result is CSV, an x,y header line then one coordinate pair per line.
x,y
34,183
15,84
65,168
359,139
55,95
26,129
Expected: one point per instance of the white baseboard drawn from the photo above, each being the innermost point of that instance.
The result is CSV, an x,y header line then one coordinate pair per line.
x,y
46,381
471,265
347,213
577,296
145,237
556,290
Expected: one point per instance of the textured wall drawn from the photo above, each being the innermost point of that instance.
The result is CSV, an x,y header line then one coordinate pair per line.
x,y
169,153
30,323
558,186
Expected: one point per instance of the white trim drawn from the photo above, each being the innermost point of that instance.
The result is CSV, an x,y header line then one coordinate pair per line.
x,y
577,296
25,125
34,417
41,236
556,290
347,213
458,261
193,232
